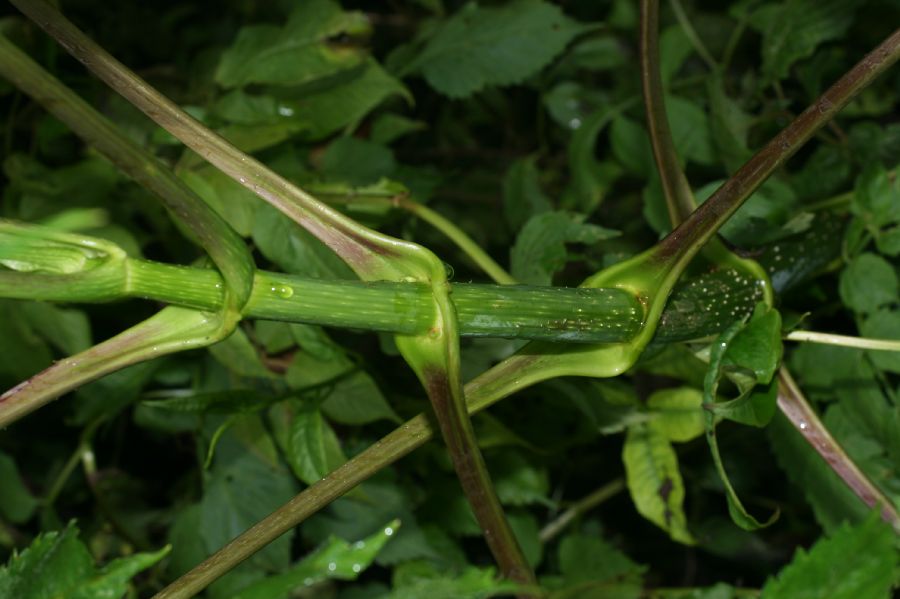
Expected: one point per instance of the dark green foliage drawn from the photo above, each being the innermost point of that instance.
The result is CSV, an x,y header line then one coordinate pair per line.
x,y
521,122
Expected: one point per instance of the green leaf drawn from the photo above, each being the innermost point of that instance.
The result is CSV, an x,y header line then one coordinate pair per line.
x,y
631,146
17,504
793,30
471,583
245,484
479,47
869,282
678,413
341,105
883,324
523,197
856,561
357,161
876,197
66,329
300,52
654,481
517,480
335,559
590,179
588,558
757,346
356,399
57,564
295,250
540,248
313,449
736,509
238,355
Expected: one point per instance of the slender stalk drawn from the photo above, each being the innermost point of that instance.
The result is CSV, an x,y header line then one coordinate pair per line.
x,y
433,218
462,241
582,506
677,190
798,411
844,340
227,249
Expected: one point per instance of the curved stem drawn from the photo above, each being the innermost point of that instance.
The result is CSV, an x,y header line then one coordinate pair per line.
x,y
844,340
796,408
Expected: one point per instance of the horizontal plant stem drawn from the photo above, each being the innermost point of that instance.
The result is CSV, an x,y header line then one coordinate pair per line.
x,y
796,408
514,311
844,340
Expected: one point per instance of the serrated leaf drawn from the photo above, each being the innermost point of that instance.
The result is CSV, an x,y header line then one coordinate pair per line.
x,y
479,47
793,30
540,248
678,413
587,558
335,559
57,564
471,583
654,481
855,562
298,53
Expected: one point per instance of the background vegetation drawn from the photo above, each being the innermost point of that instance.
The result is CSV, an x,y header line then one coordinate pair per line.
x,y
521,122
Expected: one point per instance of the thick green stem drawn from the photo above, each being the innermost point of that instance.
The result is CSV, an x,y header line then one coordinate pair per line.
x,y
227,249
512,311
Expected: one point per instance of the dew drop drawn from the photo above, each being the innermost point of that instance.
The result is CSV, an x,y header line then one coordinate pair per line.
x,y
356,567
285,292
332,566
803,426
388,531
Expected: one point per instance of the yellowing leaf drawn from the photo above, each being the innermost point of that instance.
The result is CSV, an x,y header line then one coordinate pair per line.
x,y
655,484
